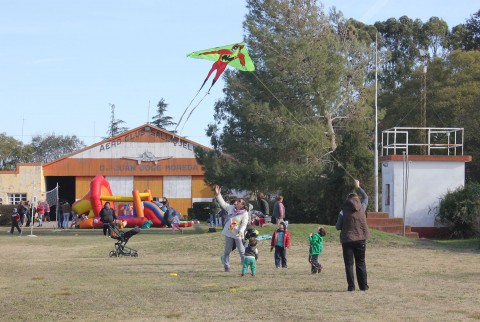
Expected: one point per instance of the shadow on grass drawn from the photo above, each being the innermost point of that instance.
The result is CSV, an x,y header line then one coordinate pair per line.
x,y
453,245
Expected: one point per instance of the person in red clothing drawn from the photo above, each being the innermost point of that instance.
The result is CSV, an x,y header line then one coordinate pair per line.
x,y
40,212
281,242
46,207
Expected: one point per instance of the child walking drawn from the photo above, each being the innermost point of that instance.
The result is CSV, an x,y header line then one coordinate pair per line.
x,y
176,222
15,221
251,256
316,247
281,242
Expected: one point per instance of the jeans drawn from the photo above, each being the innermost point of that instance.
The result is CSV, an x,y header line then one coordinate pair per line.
x,y
228,249
280,256
315,263
65,220
355,252
214,220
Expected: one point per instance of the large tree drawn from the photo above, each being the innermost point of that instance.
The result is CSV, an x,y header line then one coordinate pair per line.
x,y
10,152
276,128
467,36
46,148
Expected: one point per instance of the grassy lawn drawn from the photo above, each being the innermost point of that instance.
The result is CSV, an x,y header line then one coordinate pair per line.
x,y
68,275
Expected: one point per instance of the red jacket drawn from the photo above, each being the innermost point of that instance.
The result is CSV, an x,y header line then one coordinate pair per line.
x,y
286,239
40,209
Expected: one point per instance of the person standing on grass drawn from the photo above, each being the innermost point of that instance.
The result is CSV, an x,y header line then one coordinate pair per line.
x,y
263,204
46,206
280,242
279,210
316,247
251,256
234,227
214,211
23,211
40,212
66,209
352,222
108,217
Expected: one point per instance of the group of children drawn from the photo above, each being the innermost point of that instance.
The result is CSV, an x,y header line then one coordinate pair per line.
x,y
281,242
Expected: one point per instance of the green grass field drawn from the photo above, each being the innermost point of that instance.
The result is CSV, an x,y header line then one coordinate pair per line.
x,y
68,275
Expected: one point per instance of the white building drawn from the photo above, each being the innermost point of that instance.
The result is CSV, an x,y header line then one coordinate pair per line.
x,y
415,176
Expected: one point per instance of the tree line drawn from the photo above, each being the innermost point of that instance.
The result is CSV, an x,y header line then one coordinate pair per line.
x,y
303,123
49,147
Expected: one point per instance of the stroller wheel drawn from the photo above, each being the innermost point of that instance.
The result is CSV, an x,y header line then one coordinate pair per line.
x,y
113,254
135,254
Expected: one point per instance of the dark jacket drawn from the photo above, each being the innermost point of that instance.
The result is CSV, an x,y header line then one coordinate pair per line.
x,y
107,215
352,220
251,251
264,207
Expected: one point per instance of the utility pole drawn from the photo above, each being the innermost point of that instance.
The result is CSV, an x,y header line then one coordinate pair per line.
x,y
375,167
423,103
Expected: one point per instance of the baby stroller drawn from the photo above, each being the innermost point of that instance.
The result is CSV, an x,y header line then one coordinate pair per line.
x,y
122,239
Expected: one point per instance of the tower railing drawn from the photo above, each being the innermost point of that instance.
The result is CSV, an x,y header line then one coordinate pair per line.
x,y
439,141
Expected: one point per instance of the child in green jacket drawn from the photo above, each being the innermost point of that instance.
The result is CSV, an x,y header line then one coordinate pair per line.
x,y
316,247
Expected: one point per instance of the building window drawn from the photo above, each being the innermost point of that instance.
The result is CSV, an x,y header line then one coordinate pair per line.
x,y
15,198
387,195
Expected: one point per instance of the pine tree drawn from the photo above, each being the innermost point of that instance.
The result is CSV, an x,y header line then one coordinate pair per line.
x,y
160,120
115,128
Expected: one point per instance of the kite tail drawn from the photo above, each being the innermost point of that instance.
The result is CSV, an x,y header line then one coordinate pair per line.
x,y
186,109
178,124
213,83
193,109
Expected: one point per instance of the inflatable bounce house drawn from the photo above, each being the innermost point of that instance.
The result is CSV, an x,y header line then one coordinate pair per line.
x,y
144,208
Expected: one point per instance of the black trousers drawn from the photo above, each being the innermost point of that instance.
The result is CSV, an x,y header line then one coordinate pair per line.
x,y
15,225
107,228
354,252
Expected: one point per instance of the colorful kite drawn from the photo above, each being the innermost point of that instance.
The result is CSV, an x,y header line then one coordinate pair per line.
x,y
235,55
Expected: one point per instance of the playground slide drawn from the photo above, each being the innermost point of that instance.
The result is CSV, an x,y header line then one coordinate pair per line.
x,y
154,213
132,221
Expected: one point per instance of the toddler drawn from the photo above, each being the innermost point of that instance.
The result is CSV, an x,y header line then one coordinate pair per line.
x,y
316,247
251,256
176,222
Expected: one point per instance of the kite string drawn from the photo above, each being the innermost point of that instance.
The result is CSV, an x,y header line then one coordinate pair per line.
x,y
185,111
306,130
193,109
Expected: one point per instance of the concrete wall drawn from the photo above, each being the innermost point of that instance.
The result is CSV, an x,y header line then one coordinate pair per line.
x,y
428,181
27,178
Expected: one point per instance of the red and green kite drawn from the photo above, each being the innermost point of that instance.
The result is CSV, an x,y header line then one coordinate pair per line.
x,y
235,55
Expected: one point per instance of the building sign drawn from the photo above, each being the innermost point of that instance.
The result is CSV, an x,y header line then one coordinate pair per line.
x,y
122,168
142,135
